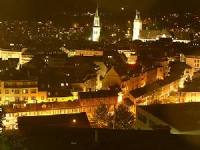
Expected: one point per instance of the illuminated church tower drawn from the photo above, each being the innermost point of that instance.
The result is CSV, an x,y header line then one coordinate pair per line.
x,y
96,27
137,26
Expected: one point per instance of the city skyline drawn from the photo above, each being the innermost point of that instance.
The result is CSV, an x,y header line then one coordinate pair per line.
x,y
31,8
99,74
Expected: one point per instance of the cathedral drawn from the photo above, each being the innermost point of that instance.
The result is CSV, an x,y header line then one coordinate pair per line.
x,y
154,35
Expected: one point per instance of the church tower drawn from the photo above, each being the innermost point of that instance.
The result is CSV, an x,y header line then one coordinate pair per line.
x,y
96,27
137,26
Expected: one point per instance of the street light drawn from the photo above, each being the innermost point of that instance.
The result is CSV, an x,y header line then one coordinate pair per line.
x,y
74,121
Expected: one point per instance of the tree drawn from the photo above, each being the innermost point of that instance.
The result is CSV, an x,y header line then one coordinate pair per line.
x,y
101,116
123,118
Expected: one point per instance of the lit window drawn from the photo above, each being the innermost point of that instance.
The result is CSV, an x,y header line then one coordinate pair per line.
x,y
33,98
25,98
7,92
17,99
25,91
33,90
16,91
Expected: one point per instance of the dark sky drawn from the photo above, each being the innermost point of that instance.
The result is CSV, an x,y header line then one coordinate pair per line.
x,y
40,7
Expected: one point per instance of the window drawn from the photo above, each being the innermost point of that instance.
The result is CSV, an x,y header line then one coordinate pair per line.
x,y
33,90
25,98
25,91
33,98
16,91
17,99
193,94
6,91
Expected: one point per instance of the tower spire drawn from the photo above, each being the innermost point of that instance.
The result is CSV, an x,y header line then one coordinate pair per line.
x,y
137,15
137,26
97,11
96,26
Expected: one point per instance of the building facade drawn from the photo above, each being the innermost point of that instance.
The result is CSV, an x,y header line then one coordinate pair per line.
x,y
21,91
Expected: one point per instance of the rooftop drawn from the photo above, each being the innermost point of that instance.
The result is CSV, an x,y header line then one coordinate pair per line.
x,y
98,94
42,107
192,86
78,120
184,117
177,69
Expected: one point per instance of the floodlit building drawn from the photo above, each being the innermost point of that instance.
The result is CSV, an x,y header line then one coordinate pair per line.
x,y
137,26
21,91
153,35
21,55
130,55
87,102
193,61
96,31
82,52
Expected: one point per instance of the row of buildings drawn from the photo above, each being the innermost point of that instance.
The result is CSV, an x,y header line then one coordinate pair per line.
x,y
162,83
87,102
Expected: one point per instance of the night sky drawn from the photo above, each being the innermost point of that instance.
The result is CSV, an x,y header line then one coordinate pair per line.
x,y
45,7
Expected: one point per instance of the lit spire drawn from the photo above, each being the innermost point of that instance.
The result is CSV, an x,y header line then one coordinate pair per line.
x,y
137,15
97,11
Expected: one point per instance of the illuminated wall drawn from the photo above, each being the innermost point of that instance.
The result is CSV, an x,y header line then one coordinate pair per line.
x,y
96,27
143,79
186,97
160,95
194,62
88,53
137,27
21,91
86,105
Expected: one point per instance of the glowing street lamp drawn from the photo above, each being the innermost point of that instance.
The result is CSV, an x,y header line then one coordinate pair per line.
x,y
120,98
74,121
